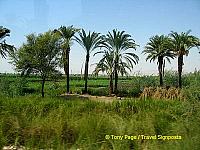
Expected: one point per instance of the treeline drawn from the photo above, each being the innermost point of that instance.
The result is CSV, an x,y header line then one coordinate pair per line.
x,y
43,53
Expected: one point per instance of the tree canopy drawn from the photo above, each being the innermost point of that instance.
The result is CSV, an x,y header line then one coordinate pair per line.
x,y
4,47
89,42
181,45
121,44
158,49
40,54
66,34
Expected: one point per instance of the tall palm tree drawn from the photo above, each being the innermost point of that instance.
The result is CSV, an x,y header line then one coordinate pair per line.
x,y
119,42
158,49
4,47
89,42
106,64
66,34
181,44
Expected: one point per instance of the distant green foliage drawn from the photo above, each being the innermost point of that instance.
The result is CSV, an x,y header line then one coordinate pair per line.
x,y
101,91
128,86
17,87
171,78
191,84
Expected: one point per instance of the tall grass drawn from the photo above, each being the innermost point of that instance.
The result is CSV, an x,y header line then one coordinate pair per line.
x,y
71,124
53,122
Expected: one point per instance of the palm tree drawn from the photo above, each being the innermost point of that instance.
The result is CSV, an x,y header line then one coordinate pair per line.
x,y
89,42
181,44
157,49
119,43
106,64
66,34
5,48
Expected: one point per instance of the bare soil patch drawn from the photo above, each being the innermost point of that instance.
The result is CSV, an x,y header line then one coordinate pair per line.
x,y
106,99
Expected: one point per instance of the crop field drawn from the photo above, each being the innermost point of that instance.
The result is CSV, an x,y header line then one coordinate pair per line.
x,y
135,121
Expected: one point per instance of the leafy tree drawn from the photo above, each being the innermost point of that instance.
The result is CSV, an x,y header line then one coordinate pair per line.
x,y
5,48
89,42
120,43
158,49
181,44
66,33
40,54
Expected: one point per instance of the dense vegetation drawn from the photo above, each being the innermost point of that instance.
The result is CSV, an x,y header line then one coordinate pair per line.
x,y
62,123
166,105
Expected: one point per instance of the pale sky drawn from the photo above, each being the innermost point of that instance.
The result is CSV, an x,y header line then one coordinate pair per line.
x,y
140,18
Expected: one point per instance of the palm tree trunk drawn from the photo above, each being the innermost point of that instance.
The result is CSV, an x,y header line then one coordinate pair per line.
x,y
163,68
65,61
180,68
67,68
116,82
116,77
86,72
111,85
43,82
160,69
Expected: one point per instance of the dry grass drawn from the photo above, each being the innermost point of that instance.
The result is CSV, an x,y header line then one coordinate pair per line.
x,y
162,93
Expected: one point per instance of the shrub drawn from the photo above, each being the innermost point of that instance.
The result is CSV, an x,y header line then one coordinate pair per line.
x,y
102,91
5,86
53,89
18,87
192,92
171,78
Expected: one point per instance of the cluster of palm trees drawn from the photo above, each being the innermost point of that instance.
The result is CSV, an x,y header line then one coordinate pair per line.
x,y
115,46
173,45
117,49
118,56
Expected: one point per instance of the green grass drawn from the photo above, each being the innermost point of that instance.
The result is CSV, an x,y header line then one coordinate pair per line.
x,y
53,122
128,87
70,124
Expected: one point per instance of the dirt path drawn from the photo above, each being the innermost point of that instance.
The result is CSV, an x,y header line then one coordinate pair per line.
x,y
106,99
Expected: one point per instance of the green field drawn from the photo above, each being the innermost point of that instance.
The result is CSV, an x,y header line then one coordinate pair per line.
x,y
60,123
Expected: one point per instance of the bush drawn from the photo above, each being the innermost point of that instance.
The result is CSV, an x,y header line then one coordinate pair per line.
x,y
129,92
5,86
171,78
192,92
9,88
53,89
19,86
102,91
